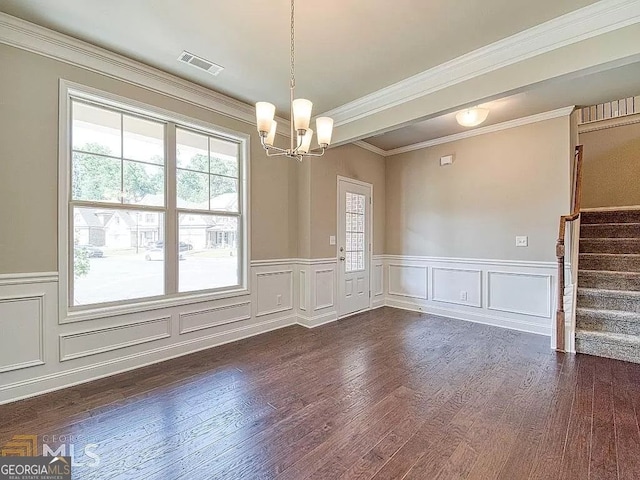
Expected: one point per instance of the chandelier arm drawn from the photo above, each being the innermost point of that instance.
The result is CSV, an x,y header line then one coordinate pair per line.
x,y
316,153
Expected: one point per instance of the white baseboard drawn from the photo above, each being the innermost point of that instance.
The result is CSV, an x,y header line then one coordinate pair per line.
x,y
318,320
68,378
495,321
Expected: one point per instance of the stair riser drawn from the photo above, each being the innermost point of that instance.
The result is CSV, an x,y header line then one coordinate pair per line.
x,y
610,246
608,281
601,349
610,231
610,263
609,303
608,325
619,216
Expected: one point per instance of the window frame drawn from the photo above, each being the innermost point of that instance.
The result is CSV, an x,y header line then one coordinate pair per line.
x,y
69,91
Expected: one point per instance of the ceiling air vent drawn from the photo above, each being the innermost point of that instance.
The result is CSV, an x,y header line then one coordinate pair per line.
x,y
200,63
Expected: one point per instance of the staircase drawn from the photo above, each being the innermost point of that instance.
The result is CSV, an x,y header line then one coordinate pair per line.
x,y
608,310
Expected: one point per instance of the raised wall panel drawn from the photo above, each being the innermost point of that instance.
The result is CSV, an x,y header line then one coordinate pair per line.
x,y
303,290
449,283
21,325
408,281
214,317
324,288
378,280
274,292
94,342
522,293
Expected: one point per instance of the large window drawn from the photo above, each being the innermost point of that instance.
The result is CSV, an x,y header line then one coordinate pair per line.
x,y
155,206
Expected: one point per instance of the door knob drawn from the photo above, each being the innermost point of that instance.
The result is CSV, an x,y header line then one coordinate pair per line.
x,y
342,259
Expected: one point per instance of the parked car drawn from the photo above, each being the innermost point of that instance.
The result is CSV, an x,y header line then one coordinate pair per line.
x,y
182,246
92,251
156,253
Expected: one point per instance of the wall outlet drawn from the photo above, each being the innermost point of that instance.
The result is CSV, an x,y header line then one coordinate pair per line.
x,y
332,240
464,296
522,241
278,299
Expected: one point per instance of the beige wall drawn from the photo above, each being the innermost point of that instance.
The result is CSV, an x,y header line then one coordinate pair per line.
x,y
502,184
611,171
348,161
29,157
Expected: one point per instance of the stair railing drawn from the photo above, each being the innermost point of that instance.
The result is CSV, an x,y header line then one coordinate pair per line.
x,y
560,248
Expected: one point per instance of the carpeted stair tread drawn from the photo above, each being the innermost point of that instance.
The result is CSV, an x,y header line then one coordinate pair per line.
x,y
607,280
619,346
610,245
609,300
609,261
612,321
611,216
610,230
601,313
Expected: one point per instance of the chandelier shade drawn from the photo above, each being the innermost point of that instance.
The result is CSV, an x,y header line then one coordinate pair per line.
x,y
300,112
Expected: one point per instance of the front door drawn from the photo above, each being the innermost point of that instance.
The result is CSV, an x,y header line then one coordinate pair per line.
x,y
354,246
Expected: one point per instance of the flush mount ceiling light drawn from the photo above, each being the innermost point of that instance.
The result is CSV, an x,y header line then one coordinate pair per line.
x,y
472,116
300,111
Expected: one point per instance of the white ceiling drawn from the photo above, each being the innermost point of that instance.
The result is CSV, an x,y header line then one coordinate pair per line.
x,y
580,90
345,49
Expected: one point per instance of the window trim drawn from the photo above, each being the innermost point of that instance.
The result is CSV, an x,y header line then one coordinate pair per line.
x,y
68,314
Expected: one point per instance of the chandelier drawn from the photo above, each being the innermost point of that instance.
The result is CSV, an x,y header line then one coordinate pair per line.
x,y
300,111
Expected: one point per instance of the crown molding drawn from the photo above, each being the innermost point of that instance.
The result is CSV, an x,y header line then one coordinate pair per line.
x,y
518,122
609,123
590,21
27,36
371,148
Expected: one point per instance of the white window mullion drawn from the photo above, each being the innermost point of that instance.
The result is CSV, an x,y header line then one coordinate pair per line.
x,y
171,225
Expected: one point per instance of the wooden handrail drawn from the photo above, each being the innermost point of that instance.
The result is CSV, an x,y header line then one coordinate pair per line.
x,y
560,247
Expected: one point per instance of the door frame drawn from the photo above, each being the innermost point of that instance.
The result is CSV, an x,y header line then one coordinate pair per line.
x,y
341,178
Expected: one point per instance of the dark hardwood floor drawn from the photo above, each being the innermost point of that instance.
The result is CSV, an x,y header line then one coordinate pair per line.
x,y
387,394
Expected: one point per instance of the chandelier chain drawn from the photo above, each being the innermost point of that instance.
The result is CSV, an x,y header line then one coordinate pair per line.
x,y
293,45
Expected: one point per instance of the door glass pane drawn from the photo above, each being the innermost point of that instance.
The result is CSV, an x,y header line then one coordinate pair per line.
x,y
117,255
355,228
208,252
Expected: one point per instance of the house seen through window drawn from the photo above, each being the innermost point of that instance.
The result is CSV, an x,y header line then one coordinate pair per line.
x,y
126,234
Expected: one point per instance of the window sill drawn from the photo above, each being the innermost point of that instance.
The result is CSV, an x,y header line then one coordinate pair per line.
x,y
150,305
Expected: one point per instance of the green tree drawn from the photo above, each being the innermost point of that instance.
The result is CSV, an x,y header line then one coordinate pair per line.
x,y
194,185
96,176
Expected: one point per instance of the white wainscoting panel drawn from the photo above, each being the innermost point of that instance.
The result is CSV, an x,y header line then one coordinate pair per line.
x,y
448,285
274,292
94,342
408,280
214,317
510,294
324,289
22,332
521,293
303,290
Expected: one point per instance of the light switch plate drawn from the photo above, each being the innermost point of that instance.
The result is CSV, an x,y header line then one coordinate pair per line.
x,y
522,241
332,240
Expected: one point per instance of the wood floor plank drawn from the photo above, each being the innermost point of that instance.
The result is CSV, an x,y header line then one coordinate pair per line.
x,y
626,424
603,464
577,450
387,394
